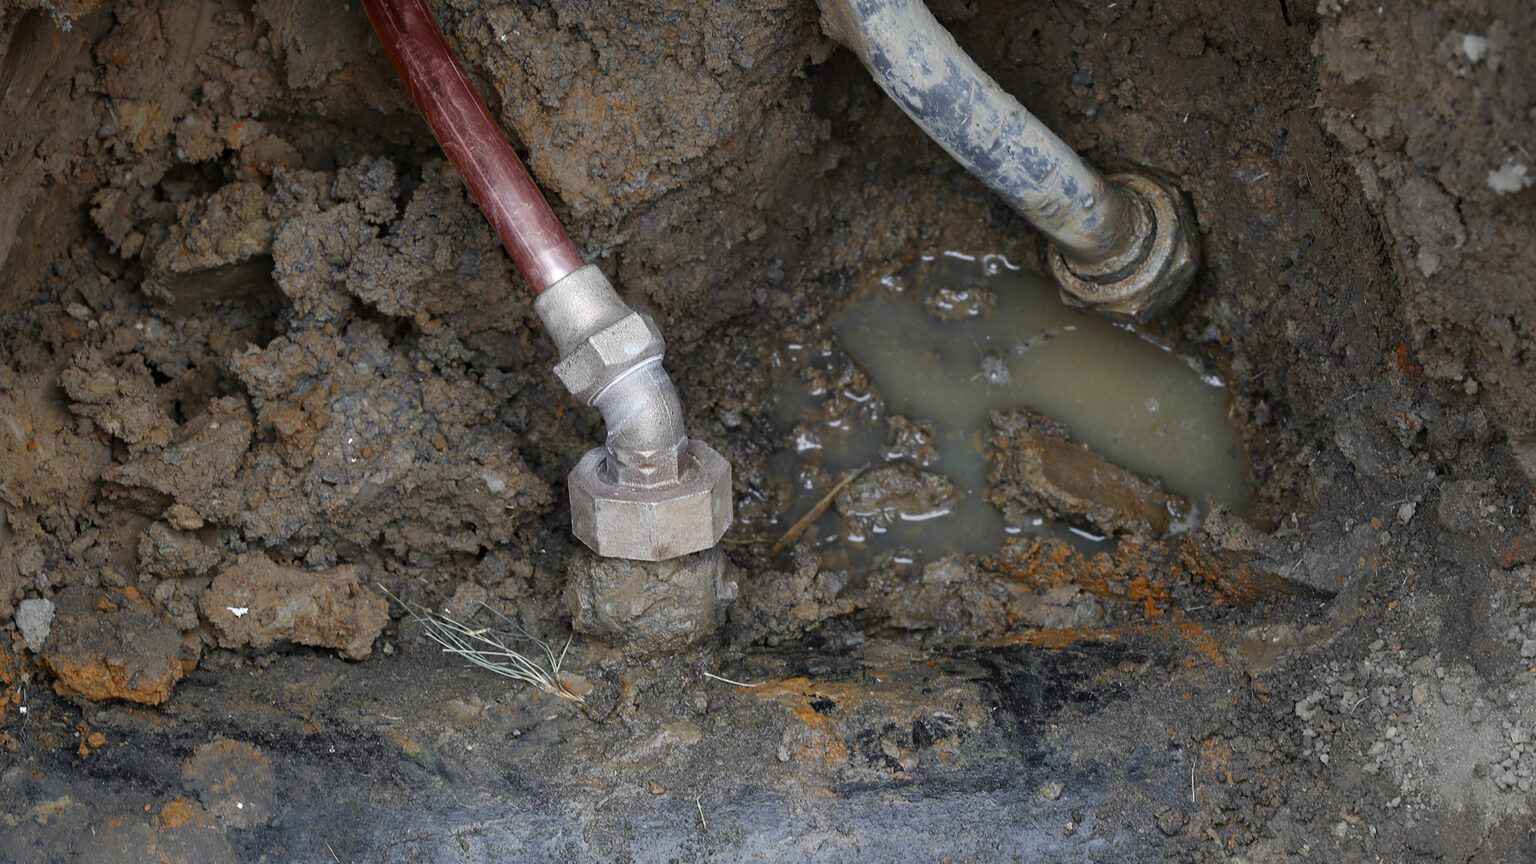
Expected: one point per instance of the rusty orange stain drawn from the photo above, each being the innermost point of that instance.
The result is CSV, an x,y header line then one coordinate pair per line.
x,y
825,742
176,813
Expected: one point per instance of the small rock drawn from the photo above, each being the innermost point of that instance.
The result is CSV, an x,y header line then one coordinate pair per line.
x,y
1304,710
466,711
466,601
1510,179
1052,790
1474,47
33,619
1171,820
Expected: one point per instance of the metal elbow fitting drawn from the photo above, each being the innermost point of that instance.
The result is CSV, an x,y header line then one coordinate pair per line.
x,y
1149,273
649,493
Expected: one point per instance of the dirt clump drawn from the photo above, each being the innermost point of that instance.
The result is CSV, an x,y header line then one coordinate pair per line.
x,y
121,400
257,602
191,482
114,645
881,496
171,554
33,620
650,607
1037,467
957,600
234,782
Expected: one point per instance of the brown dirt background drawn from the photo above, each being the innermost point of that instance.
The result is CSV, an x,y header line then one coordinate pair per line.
x,y
250,323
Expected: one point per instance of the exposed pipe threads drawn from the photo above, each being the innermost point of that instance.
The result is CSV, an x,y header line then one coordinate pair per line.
x,y
1105,230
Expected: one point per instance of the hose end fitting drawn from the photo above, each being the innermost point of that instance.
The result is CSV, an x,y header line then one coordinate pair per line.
x,y
1157,274
649,493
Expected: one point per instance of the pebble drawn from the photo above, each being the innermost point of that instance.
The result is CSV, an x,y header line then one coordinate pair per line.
x,y
1171,820
34,618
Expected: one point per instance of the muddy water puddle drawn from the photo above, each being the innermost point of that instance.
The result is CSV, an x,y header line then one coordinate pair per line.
x,y
908,376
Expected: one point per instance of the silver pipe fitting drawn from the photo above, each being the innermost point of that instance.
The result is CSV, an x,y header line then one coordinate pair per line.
x,y
1122,246
649,493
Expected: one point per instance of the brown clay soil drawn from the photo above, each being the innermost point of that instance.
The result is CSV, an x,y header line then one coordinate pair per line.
x,y
260,356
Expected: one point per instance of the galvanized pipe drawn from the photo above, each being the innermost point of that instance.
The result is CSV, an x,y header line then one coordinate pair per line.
x,y
917,63
649,493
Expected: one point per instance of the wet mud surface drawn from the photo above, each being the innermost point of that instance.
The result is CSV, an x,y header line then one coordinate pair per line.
x,y
261,361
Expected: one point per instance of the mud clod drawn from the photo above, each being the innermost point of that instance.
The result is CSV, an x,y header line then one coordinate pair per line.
x,y
650,607
191,482
875,499
234,781
1036,466
121,400
257,602
114,645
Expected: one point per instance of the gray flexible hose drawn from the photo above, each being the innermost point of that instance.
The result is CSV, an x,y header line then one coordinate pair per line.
x,y
1093,222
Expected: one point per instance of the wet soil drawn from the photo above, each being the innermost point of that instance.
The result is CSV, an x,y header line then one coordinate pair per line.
x,y
258,351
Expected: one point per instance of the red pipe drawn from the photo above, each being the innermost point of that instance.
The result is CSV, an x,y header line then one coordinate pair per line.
x,y
474,143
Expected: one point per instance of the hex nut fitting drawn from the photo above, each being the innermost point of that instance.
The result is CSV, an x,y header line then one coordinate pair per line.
x,y
619,521
608,353
1156,278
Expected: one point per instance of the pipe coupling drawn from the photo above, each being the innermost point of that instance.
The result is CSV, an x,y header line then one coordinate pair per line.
x,y
1153,273
649,493
619,520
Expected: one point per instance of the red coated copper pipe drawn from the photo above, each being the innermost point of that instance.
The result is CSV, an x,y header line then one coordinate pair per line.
x,y
474,143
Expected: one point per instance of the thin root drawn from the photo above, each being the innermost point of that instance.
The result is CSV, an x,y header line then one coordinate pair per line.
x,y
487,648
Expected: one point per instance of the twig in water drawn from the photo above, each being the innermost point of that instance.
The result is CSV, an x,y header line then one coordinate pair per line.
x,y
799,527
488,648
